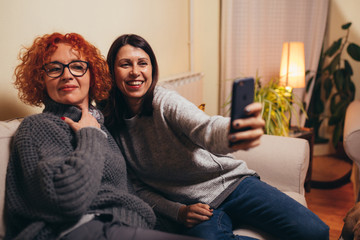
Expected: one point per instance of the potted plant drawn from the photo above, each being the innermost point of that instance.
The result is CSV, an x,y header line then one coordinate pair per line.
x,y
278,106
333,87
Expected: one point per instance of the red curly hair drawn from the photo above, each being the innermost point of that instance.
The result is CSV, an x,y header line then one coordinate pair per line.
x,y
29,74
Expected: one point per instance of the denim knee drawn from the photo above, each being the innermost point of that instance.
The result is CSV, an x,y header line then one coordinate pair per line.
x,y
319,232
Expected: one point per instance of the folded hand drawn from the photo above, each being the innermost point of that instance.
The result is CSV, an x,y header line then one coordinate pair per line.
x,y
194,214
86,120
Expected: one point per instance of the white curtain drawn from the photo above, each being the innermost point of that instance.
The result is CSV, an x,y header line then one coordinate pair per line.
x,y
252,34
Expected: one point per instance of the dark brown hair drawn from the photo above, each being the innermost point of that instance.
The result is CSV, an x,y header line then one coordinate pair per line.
x,y
115,106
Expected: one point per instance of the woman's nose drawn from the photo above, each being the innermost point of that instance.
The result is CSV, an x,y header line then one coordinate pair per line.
x,y
135,71
66,74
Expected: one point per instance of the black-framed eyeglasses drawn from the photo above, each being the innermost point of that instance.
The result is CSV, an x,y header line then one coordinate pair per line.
x,y
55,69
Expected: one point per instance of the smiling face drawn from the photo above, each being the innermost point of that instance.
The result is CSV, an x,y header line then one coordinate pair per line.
x,y
67,89
133,75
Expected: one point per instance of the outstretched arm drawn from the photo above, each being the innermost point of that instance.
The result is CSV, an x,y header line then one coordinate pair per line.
x,y
210,132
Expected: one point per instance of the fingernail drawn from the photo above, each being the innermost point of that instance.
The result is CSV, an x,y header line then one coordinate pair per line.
x,y
237,125
62,118
233,137
247,111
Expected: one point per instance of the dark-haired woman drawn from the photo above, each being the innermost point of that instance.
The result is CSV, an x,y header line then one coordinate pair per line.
x,y
178,156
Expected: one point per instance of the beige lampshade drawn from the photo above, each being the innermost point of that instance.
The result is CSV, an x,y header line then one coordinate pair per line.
x,y
292,69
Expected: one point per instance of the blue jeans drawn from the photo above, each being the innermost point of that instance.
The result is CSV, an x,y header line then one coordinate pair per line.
x,y
260,205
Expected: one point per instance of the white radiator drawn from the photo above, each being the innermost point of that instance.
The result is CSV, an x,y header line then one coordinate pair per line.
x,y
189,85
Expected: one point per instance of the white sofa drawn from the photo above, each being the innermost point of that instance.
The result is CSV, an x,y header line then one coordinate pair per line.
x,y
280,161
352,142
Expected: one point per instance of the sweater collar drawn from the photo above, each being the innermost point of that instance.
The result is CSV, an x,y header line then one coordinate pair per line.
x,y
70,111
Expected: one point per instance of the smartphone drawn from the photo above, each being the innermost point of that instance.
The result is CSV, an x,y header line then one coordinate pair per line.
x,y
242,95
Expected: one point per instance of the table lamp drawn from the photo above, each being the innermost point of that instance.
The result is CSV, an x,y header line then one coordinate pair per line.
x,y
292,68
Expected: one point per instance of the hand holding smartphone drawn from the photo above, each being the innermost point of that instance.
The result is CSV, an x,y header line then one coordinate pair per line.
x,y
242,95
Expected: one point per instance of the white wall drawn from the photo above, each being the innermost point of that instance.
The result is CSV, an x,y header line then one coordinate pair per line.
x,y
341,12
164,23
207,50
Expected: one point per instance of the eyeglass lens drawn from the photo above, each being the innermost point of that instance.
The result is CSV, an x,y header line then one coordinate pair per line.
x,y
56,69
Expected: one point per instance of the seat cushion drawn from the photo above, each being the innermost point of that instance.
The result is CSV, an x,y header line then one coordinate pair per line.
x,y
7,129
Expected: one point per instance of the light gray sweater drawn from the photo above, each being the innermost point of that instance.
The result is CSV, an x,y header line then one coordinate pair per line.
x,y
180,155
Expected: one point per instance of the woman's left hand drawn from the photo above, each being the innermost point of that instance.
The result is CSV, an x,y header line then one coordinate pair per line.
x,y
248,138
86,120
194,214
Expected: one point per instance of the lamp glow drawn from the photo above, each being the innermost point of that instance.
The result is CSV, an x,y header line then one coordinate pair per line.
x,y
292,68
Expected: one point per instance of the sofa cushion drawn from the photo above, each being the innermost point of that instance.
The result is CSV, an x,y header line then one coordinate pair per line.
x,y
7,129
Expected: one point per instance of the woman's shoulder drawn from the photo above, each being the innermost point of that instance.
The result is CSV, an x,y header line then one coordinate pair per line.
x,y
38,118
165,96
43,122
171,104
160,90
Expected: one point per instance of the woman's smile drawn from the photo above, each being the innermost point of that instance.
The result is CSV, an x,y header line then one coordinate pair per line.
x,y
67,88
135,83
133,74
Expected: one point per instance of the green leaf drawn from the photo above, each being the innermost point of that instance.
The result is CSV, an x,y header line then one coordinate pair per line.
x,y
327,87
333,48
339,79
348,68
309,84
352,90
333,120
337,134
333,64
338,108
338,116
354,51
333,101
346,25
317,86
318,107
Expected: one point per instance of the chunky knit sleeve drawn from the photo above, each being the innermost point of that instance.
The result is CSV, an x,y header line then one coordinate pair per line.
x,y
209,132
54,173
155,199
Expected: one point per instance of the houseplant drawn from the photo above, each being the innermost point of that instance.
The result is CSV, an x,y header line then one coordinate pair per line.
x,y
278,106
333,87
278,103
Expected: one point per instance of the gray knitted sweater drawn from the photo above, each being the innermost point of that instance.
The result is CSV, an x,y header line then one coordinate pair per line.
x,y
55,176
179,155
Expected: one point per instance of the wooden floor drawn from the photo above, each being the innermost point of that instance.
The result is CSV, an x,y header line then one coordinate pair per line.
x,y
330,205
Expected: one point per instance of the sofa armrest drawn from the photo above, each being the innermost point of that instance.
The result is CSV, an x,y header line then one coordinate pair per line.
x,y
7,130
280,161
352,131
